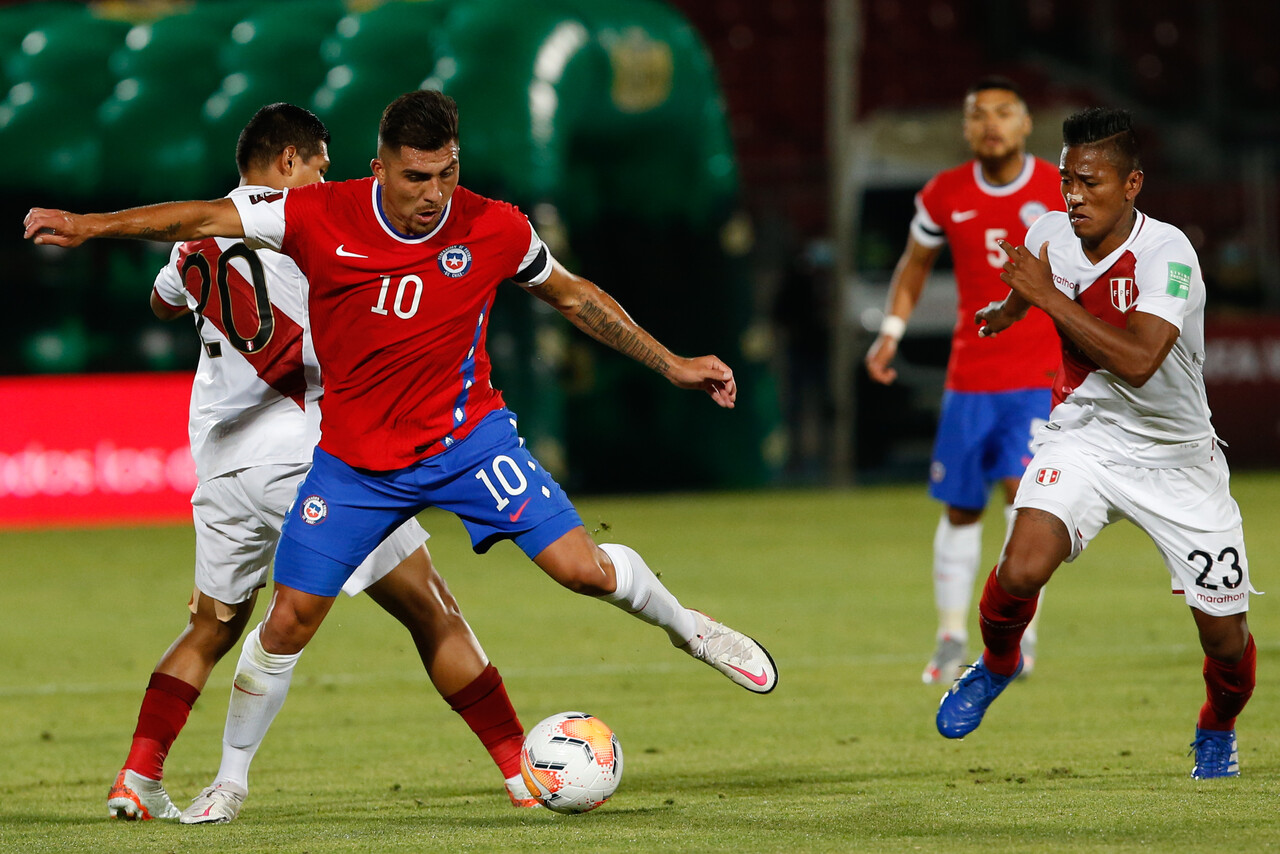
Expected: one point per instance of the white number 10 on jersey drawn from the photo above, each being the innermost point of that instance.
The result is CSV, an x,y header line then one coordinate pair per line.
x,y
402,288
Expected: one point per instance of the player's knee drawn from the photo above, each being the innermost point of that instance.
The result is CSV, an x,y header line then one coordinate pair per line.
x,y
584,576
214,637
1224,640
434,619
284,632
281,639
1021,578
963,516
215,626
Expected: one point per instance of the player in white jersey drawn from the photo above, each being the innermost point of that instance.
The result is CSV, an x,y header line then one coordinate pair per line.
x,y
254,420
1129,436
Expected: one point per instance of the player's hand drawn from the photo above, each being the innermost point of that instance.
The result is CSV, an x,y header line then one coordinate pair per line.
x,y
993,319
879,360
1029,277
54,228
709,374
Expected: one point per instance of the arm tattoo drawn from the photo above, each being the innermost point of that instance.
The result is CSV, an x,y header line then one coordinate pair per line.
x,y
166,233
617,336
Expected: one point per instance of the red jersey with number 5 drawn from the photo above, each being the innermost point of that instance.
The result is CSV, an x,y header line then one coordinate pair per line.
x,y
960,208
398,322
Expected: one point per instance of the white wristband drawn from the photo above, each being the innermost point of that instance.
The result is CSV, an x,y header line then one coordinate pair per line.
x,y
893,327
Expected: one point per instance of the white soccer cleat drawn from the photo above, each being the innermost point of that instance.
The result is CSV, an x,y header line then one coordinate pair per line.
x,y
137,798
217,804
947,662
519,793
734,654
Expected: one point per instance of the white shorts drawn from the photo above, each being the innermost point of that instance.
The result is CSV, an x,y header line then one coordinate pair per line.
x,y
237,520
1188,512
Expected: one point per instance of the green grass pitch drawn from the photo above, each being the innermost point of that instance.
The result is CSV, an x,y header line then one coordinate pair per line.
x,y
1089,754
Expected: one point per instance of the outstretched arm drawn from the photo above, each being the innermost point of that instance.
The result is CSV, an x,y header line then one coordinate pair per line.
x,y
596,313
169,222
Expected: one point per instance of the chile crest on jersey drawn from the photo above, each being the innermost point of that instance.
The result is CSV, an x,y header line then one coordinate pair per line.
x,y
454,261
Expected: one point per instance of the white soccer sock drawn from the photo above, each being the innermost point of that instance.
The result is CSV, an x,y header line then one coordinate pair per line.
x,y
260,687
956,552
641,594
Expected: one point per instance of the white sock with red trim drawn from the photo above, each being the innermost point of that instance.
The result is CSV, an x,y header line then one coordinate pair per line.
x,y
259,690
957,549
641,594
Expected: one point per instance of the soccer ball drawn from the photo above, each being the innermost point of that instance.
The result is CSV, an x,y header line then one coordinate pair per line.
x,y
571,762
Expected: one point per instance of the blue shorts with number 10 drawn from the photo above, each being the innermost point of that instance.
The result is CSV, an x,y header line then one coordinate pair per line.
x,y
983,437
489,480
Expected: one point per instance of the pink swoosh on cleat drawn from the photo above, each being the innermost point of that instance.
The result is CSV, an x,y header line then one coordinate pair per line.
x,y
760,679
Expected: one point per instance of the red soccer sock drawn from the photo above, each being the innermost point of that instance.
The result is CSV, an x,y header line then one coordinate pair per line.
x,y
1228,687
1003,618
164,712
485,707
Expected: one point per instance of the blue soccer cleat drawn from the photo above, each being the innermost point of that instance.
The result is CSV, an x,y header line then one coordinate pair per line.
x,y
962,707
1216,754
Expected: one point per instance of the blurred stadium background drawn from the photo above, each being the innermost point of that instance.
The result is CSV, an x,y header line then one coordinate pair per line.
x,y
738,172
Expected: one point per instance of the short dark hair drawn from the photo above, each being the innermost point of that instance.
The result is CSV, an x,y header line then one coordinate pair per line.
x,y
1107,127
426,120
995,81
275,127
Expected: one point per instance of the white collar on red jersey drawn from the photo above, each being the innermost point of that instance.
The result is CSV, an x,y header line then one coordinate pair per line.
x,y
1028,166
390,229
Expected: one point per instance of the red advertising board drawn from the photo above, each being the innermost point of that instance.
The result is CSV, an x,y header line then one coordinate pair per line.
x,y
95,449
1242,379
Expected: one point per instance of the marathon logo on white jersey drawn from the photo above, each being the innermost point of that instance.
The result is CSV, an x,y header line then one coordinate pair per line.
x,y
314,509
455,261
1048,477
1124,293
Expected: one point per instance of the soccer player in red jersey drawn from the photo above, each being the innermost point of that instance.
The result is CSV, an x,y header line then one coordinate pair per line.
x,y
254,423
995,396
1130,435
403,268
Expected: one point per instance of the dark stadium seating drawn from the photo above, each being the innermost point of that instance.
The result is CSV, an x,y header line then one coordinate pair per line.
x,y
601,118
69,52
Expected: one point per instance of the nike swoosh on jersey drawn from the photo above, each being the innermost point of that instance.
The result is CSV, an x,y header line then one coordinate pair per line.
x,y
956,216
345,254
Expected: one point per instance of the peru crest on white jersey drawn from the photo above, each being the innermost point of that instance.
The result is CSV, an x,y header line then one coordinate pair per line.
x,y
1155,271
257,383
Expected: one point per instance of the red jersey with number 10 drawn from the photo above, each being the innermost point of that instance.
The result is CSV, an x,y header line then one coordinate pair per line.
x,y
960,208
398,322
